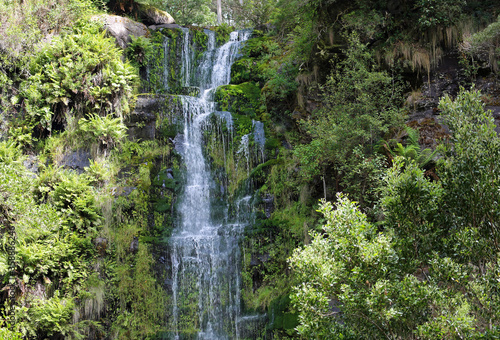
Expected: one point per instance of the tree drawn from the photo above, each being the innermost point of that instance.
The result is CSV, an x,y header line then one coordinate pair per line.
x,y
360,106
470,173
349,282
188,12
412,207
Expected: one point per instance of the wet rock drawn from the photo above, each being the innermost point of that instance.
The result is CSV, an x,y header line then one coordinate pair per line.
x,y
192,91
123,191
179,143
141,123
76,160
258,259
268,201
121,28
168,26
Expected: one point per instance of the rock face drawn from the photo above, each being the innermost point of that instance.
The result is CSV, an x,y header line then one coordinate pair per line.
x,y
153,16
76,160
153,116
122,29
446,79
141,122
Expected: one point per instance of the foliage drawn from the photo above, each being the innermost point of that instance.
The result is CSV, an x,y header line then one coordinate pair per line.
x,y
409,152
348,274
25,24
223,32
76,74
191,12
360,105
141,291
139,51
412,205
251,13
438,12
470,174
240,99
74,197
107,132
483,45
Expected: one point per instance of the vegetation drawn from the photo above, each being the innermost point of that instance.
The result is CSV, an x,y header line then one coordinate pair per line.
x,y
408,250
71,262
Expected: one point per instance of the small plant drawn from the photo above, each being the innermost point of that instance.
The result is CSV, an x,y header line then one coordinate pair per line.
x,y
410,151
139,51
74,196
223,32
107,132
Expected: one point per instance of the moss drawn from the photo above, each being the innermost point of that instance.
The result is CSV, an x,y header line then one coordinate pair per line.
x,y
223,33
282,318
259,170
242,99
254,63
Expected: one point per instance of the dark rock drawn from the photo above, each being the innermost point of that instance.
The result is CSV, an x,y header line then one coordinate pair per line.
x,y
76,160
141,123
179,143
286,145
123,191
134,245
268,204
258,259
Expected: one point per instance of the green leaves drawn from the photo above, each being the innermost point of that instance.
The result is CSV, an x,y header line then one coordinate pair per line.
x,y
78,74
340,268
107,131
470,172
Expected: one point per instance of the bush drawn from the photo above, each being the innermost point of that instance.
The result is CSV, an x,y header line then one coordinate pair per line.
x,y
74,196
76,74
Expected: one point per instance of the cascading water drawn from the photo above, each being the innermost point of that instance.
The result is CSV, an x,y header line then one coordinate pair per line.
x,y
204,252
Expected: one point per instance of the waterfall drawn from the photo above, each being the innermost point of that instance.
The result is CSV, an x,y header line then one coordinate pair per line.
x,y
204,253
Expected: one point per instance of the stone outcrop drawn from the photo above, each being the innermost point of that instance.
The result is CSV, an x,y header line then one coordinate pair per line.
x,y
141,122
76,160
153,16
152,115
122,29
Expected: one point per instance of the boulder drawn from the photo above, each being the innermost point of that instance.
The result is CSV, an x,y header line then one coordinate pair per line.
x,y
154,16
121,28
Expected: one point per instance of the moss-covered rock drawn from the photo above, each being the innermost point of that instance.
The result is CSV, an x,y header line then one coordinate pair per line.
x,y
154,16
241,99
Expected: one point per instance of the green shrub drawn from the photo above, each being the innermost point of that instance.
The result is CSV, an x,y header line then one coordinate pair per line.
x,y
106,132
74,196
76,74
139,51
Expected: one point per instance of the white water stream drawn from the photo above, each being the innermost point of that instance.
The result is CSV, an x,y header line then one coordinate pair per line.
x,y
204,246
